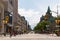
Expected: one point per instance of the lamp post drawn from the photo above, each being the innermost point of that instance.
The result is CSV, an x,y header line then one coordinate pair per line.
x,y
5,23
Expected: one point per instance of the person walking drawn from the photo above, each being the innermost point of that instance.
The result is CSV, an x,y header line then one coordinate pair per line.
x,y
10,33
4,34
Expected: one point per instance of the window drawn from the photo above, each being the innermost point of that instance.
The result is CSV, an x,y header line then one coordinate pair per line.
x,y
10,2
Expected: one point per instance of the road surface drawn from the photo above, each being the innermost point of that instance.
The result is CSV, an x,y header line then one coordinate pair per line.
x,y
31,37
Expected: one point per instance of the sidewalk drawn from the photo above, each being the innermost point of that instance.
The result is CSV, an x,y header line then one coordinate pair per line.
x,y
4,36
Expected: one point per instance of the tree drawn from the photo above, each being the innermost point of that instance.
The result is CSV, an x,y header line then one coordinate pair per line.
x,y
58,17
41,25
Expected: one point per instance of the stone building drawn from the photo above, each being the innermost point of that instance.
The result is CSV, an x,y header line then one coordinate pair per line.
x,y
10,20
18,25
8,12
48,17
15,13
1,16
24,24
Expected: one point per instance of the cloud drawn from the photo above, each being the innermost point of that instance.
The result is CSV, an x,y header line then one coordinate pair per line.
x,y
28,9
54,8
43,5
31,15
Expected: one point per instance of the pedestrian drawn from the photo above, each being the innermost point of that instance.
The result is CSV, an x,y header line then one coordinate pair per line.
x,y
4,34
10,33
14,33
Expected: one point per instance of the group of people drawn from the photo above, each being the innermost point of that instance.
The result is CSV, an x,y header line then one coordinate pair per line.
x,y
11,33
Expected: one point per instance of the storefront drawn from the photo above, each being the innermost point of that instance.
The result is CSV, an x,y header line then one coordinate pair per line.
x,y
9,28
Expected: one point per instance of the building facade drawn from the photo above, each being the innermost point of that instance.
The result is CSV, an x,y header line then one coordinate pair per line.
x,y
10,20
8,12
15,13
1,16
22,24
18,25
48,17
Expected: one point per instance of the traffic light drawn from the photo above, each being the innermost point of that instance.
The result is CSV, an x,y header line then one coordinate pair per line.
x,y
6,18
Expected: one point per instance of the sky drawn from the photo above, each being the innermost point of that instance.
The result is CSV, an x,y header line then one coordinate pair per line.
x,y
34,9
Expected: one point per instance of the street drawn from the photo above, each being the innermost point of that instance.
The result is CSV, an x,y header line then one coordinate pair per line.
x,y
31,36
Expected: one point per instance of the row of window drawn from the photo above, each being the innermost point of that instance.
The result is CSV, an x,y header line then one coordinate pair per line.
x,y
11,2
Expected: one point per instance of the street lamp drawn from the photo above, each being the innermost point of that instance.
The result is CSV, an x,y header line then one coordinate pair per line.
x,y
5,21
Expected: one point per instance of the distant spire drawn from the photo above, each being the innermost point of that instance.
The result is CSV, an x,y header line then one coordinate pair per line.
x,y
48,11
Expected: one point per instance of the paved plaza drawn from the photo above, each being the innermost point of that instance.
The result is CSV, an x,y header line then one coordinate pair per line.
x,y
31,37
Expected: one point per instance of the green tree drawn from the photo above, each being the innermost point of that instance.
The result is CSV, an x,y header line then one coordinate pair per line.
x,y
41,25
58,17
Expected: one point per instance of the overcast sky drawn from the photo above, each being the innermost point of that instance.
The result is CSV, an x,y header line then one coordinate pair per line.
x,y
34,9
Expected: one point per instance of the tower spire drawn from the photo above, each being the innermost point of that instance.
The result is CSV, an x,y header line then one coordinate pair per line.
x,y
48,11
